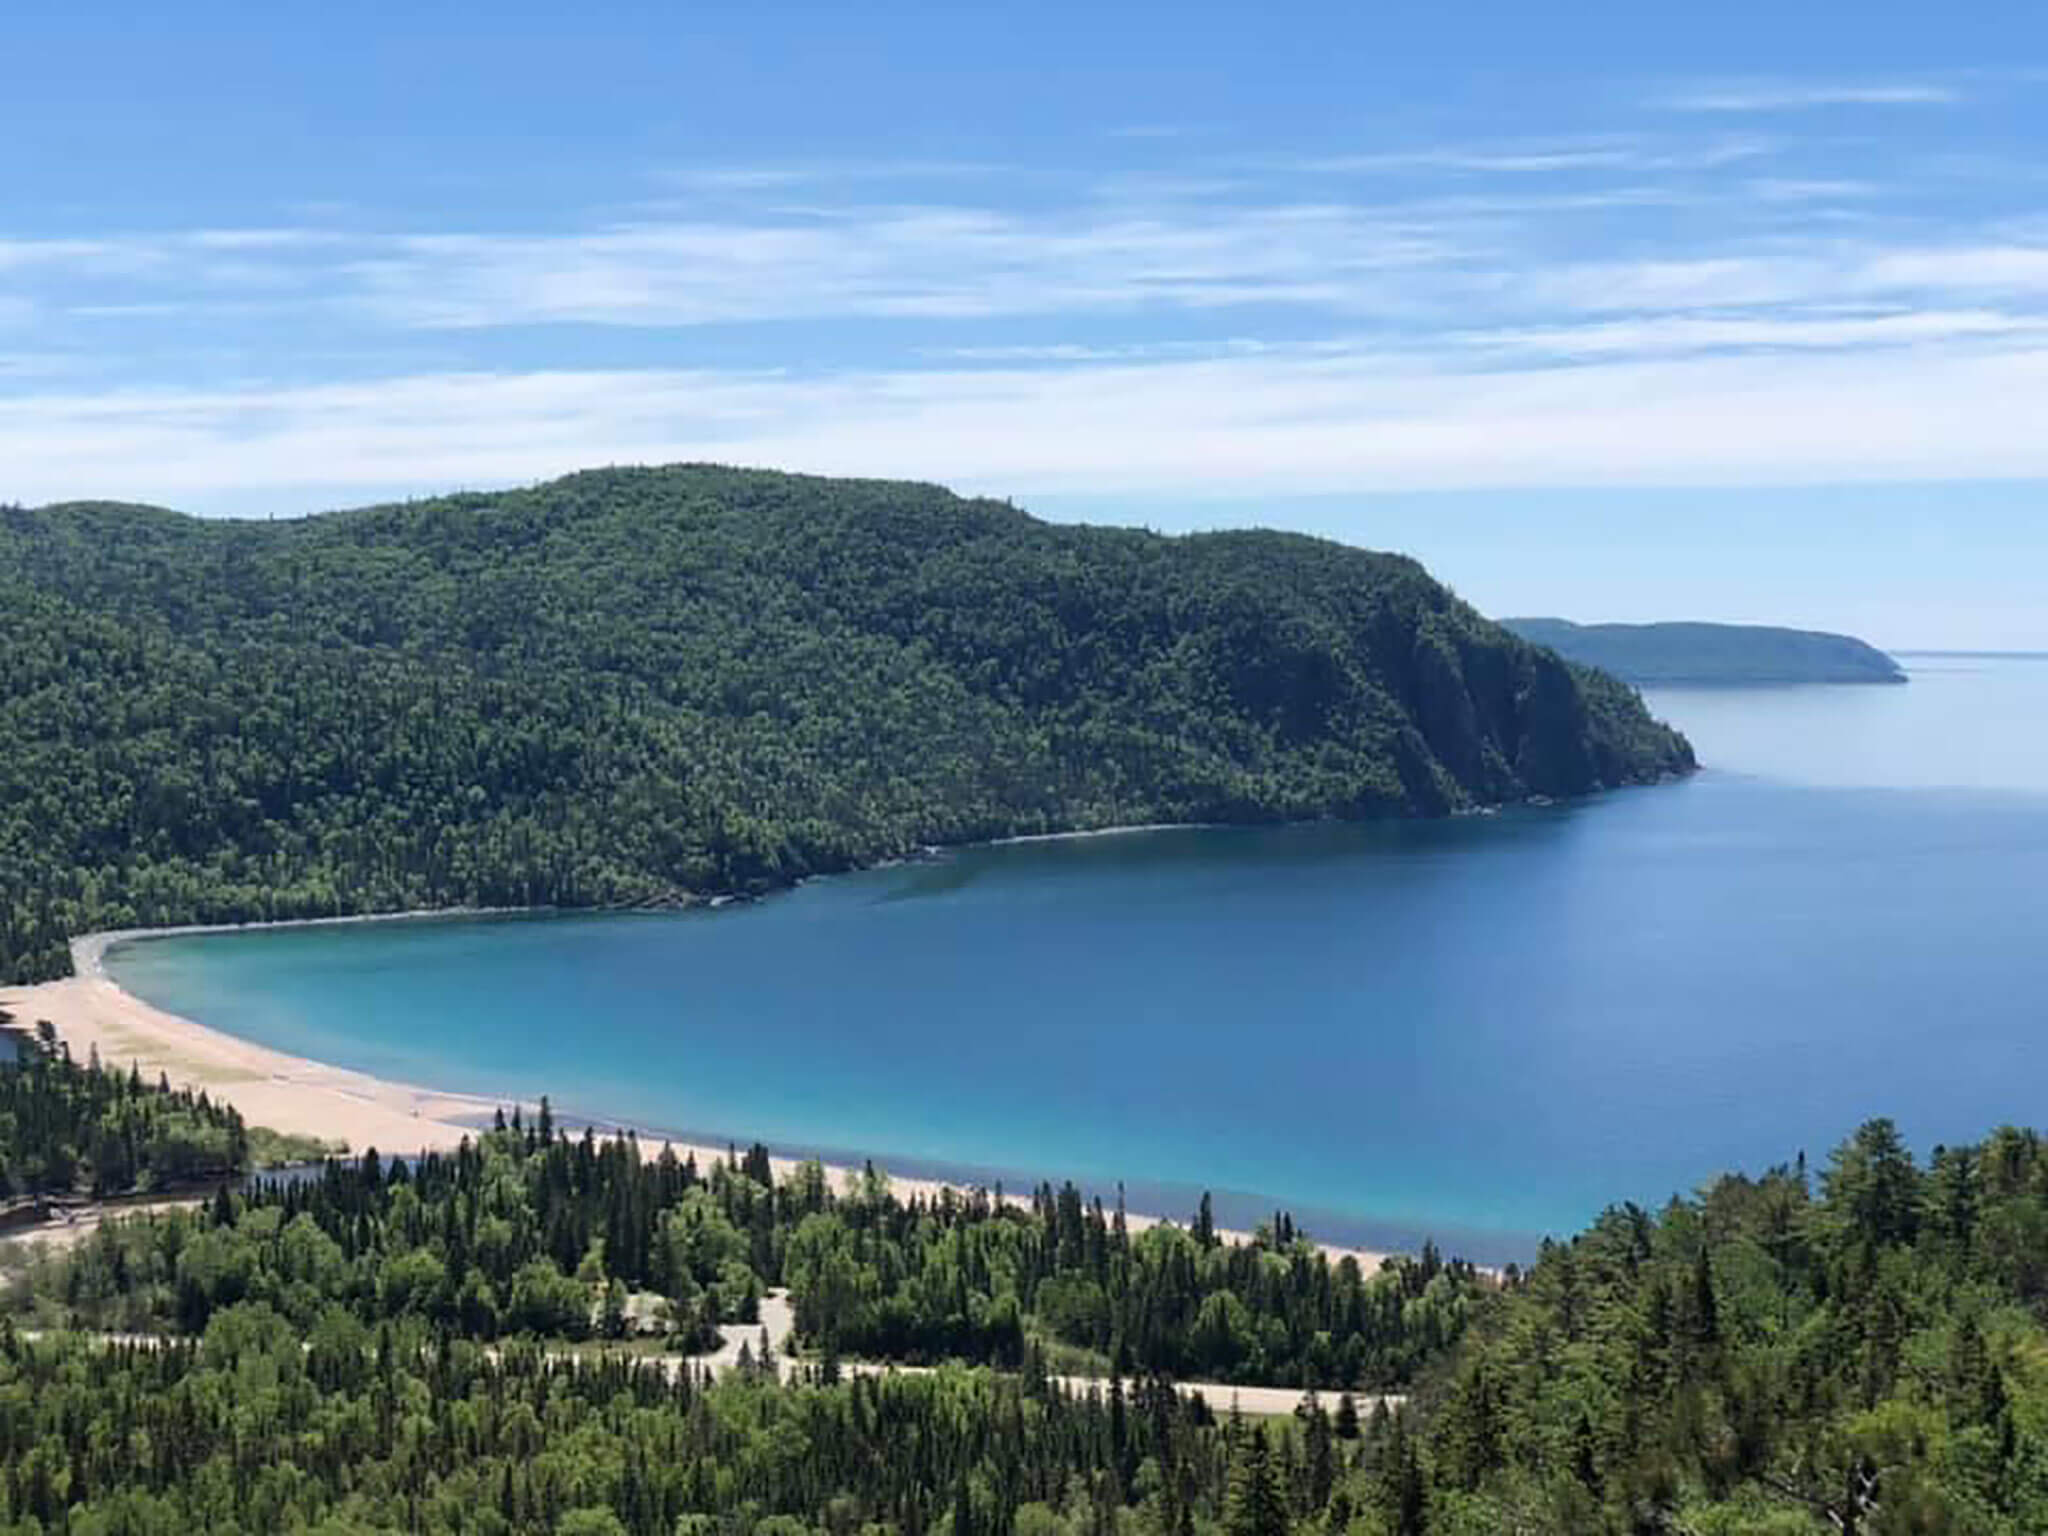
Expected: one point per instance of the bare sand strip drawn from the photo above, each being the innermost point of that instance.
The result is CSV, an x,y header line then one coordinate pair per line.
x,y
299,1096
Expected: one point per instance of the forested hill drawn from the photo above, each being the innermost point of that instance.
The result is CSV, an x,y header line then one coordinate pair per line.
x,y
630,684
1650,654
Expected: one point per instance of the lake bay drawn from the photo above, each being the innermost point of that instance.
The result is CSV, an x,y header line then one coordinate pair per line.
x,y
1482,1029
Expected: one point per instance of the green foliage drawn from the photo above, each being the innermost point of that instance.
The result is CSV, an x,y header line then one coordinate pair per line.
x,y
516,1233
1870,1357
69,1129
327,1368
963,1279
525,1233
1255,1506
247,1431
1760,1359
279,1149
627,686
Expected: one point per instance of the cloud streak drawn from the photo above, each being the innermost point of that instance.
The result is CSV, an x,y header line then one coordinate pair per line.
x,y
1633,308
1354,421
1782,97
1403,266
935,262
1634,154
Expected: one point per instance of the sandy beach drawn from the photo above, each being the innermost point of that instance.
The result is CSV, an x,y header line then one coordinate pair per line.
x,y
293,1094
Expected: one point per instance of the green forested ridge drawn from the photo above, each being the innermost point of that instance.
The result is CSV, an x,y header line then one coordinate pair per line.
x,y
630,684
1674,653
1862,1351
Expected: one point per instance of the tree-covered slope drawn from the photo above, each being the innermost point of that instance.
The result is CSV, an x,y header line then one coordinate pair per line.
x,y
1866,1356
391,1347
1650,654
631,684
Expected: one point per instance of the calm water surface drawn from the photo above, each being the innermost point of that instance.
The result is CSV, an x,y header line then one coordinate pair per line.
x,y
1482,1029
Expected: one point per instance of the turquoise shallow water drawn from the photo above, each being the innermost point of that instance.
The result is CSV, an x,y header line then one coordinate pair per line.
x,y
1482,1029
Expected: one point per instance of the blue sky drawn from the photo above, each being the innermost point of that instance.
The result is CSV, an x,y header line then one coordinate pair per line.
x,y
1740,313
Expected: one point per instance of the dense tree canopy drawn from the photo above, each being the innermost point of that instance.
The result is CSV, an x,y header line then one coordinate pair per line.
x,y
71,1129
387,1348
1864,1352
1868,1358
392,1430
626,686
528,1231
970,1281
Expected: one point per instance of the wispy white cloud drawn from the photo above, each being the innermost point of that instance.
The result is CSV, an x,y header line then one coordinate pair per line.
x,y
1350,422
1508,162
969,263
1137,351
258,239
1633,154
96,255
926,262
1818,273
1633,308
1408,273
147,310
1795,97
39,367
255,258
1510,245
822,173
1648,337
1665,336
1537,158
1793,189
2009,268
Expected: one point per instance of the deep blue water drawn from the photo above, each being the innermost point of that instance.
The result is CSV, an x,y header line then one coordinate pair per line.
x,y
1481,1029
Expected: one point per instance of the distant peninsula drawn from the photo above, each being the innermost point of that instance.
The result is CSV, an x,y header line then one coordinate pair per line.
x,y
1649,655
645,686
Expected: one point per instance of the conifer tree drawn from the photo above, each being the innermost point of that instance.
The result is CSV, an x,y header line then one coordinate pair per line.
x,y
1255,1506
1347,1427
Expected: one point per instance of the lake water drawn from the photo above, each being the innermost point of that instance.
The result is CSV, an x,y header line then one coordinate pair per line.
x,y
1482,1029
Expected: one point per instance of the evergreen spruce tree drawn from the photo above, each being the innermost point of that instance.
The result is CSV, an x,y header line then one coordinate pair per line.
x,y
1706,1315
1254,1505
1402,1491
1347,1426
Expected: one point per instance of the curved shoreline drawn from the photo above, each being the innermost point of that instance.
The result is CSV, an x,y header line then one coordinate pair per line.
x,y
90,1012
89,950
